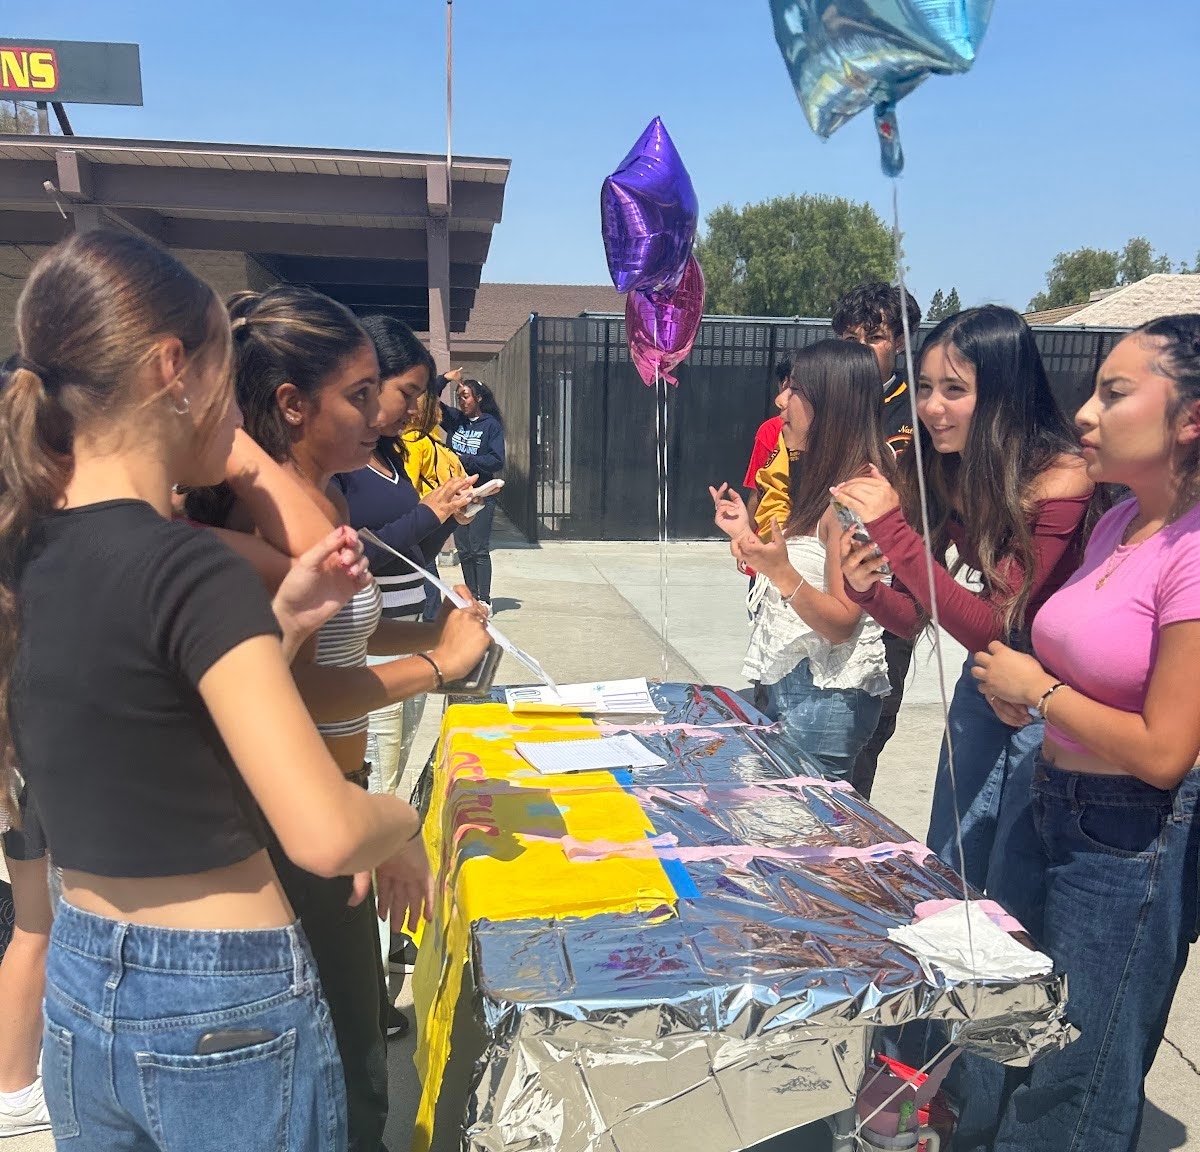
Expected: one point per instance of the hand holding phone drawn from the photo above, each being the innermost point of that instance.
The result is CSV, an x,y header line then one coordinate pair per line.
x,y
478,495
849,519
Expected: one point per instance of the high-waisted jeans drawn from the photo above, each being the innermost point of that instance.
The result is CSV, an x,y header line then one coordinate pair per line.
x,y
126,1006
990,791
1119,872
830,725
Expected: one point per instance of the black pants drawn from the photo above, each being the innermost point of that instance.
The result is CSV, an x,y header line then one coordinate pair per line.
x,y
345,945
899,656
474,543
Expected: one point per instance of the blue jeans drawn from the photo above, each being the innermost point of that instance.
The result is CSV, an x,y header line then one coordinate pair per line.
x,y
1120,876
830,725
474,543
125,1008
993,771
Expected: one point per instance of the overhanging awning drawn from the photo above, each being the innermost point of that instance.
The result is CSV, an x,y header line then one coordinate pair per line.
x,y
353,224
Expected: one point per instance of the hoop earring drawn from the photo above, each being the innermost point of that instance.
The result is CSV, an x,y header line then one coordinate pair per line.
x,y
187,407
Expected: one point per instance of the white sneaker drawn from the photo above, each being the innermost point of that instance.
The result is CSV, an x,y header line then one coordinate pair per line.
x,y
487,607
31,1116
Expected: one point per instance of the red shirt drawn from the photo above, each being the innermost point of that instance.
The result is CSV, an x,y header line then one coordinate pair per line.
x,y
764,444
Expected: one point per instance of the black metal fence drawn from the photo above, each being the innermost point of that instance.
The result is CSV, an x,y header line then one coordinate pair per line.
x,y
581,425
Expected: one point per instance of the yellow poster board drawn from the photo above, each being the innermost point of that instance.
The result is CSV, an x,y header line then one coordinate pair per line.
x,y
497,833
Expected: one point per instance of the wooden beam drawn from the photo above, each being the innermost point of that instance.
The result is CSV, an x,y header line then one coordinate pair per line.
x,y
74,174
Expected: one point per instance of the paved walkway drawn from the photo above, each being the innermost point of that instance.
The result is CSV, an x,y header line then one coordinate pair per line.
x,y
590,611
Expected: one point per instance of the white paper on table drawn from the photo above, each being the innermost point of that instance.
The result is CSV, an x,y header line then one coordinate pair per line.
x,y
623,697
558,756
989,953
458,602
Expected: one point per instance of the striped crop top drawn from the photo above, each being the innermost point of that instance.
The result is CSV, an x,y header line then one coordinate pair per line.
x,y
342,643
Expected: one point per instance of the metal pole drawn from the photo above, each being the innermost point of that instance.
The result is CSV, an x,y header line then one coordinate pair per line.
x,y
63,122
43,118
449,96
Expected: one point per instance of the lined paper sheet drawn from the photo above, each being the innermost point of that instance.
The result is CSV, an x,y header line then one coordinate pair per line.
x,y
622,697
589,755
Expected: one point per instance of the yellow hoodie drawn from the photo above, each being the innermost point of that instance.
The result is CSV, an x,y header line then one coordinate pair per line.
x,y
427,460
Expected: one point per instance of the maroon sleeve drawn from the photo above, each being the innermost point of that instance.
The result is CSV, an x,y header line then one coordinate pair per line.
x,y
974,620
892,607
765,440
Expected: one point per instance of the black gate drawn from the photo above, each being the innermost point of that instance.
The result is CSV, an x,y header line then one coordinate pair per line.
x,y
581,425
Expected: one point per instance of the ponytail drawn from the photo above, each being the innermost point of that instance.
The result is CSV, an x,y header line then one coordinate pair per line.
x,y
35,466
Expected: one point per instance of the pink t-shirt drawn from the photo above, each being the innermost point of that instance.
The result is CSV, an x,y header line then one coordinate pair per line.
x,y
1103,641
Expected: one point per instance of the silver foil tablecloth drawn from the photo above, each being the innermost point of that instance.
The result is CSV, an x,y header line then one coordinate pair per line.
x,y
745,1007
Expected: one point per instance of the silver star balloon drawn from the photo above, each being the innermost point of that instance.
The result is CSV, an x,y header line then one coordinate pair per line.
x,y
845,56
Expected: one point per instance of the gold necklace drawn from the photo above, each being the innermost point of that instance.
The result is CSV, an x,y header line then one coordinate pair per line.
x,y
1111,567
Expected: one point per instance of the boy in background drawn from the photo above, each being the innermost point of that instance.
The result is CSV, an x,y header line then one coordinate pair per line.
x,y
871,315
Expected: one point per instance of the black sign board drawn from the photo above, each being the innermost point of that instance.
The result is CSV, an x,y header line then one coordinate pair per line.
x,y
70,72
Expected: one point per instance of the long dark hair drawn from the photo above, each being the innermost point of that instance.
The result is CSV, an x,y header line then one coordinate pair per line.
x,y
290,334
840,380
91,314
487,400
1179,361
1017,432
399,350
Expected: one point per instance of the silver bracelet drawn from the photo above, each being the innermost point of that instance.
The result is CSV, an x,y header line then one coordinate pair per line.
x,y
788,600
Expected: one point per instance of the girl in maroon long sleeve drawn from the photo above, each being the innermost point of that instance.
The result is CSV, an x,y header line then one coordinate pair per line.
x,y
1009,493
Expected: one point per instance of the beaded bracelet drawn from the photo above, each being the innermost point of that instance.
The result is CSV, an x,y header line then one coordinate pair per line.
x,y
439,683
1045,700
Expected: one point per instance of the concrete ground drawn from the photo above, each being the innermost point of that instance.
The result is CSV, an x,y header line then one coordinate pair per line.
x,y
591,611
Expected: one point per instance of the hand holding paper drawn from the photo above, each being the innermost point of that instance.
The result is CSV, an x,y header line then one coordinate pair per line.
x,y
458,602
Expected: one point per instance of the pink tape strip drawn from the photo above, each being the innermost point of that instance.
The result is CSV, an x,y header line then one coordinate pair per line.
x,y
994,912
666,847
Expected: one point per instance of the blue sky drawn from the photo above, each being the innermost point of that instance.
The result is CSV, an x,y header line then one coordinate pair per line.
x,y
1073,129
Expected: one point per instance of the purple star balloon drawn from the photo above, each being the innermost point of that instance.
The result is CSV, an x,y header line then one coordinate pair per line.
x,y
661,329
649,215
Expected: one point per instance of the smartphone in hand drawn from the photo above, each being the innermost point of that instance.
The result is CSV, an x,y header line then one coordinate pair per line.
x,y
848,518
479,494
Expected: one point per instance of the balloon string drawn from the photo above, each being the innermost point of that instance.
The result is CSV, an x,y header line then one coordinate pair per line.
x,y
928,536
660,427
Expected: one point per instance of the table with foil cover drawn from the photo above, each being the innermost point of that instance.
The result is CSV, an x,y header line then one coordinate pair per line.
x,y
620,960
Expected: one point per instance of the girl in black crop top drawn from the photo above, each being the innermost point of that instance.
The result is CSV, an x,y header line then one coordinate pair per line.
x,y
146,696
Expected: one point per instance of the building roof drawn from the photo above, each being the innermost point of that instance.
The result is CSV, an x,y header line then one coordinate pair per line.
x,y
1053,315
1162,294
501,309
351,223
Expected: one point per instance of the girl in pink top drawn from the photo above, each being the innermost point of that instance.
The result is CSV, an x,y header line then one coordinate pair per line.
x,y
1115,680
1008,492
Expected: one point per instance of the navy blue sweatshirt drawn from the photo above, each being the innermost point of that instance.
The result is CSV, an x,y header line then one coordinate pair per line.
x,y
390,507
479,444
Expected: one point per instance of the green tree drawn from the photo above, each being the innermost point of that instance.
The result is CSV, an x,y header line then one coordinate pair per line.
x,y
17,119
1075,276
942,305
1139,261
791,256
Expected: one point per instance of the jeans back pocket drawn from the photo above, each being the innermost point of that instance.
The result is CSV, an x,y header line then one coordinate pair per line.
x,y
58,1080
224,1100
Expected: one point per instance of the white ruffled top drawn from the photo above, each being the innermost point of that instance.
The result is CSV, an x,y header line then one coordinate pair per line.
x,y
780,639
